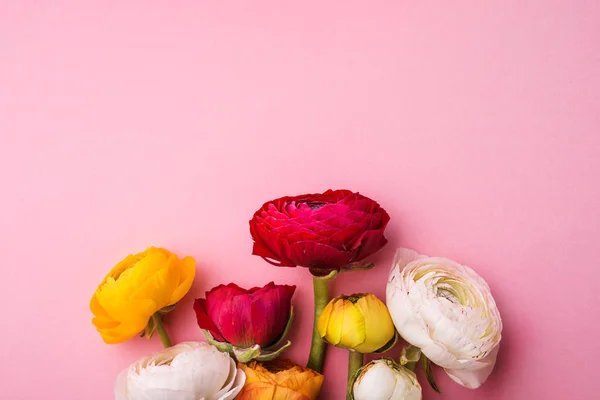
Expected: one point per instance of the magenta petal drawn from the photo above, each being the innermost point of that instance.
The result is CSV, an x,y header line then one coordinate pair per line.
x,y
259,248
369,243
272,250
324,231
313,254
229,309
270,312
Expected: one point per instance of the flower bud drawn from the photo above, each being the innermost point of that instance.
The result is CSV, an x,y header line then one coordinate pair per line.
x,y
385,379
360,322
249,324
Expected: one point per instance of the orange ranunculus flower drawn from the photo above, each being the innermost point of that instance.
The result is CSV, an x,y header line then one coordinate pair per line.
x,y
279,379
136,288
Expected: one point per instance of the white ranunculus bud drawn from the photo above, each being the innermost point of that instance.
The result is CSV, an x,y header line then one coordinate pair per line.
x,y
385,379
187,371
448,311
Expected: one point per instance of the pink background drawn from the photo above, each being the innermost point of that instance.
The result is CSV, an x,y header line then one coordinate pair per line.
x,y
136,123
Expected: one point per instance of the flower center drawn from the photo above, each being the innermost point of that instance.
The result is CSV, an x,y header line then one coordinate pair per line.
x,y
315,205
354,297
448,294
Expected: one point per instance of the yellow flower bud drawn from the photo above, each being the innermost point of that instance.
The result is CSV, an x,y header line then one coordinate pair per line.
x,y
360,322
279,379
136,288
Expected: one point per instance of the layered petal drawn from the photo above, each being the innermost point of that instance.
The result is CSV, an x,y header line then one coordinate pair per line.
x,y
279,380
447,310
320,231
187,371
136,288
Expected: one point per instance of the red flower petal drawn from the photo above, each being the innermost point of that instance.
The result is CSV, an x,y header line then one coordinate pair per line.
x,y
327,230
270,310
229,309
204,321
244,317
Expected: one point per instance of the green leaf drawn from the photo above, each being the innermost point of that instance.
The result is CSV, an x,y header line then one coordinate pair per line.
x,y
429,373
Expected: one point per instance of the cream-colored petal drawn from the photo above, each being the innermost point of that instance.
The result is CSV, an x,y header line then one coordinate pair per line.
x,y
121,392
238,384
477,373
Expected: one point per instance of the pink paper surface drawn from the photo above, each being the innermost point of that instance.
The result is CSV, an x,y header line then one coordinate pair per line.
x,y
476,124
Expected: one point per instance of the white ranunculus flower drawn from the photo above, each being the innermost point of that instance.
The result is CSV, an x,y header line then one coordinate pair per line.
x,y
385,379
187,371
448,311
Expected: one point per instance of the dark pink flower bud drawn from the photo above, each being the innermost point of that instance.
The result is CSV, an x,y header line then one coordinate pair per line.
x,y
245,318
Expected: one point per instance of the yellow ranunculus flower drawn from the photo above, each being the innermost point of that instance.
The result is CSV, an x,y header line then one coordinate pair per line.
x,y
360,322
279,379
138,287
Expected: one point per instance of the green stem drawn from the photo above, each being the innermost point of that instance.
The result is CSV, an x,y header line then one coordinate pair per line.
x,y
160,328
318,346
355,362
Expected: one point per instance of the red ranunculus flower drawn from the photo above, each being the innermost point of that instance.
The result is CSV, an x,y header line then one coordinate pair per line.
x,y
323,232
245,318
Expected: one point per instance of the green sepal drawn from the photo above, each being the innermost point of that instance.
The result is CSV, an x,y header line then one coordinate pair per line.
x,y
271,355
245,355
167,309
280,341
223,347
409,354
149,329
